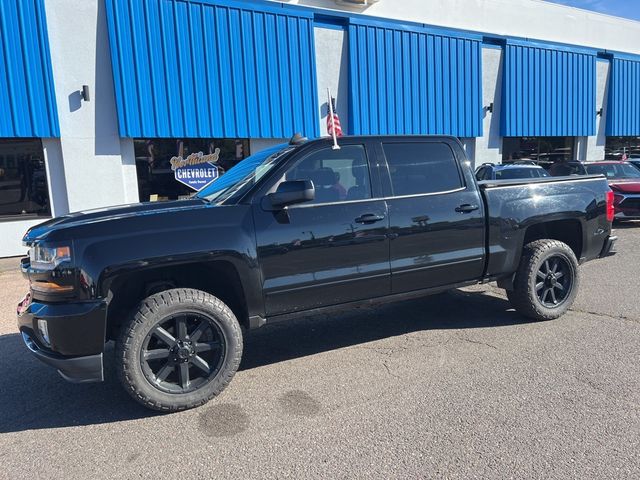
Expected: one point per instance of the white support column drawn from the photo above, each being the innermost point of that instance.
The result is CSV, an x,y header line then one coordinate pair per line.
x,y
596,145
98,170
488,148
580,148
332,64
469,146
55,176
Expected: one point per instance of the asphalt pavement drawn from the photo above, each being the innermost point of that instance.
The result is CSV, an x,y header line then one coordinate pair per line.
x,y
451,386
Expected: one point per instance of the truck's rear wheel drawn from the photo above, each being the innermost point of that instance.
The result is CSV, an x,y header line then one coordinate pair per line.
x,y
181,348
546,283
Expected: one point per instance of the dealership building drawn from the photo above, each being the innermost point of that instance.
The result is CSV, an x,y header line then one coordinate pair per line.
x,y
97,96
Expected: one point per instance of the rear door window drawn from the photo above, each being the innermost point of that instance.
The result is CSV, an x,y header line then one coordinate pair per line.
x,y
421,168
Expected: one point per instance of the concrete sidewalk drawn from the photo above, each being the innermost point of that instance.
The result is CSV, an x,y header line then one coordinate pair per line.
x,y
9,264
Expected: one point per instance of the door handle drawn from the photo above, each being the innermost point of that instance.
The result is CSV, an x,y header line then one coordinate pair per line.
x,y
369,218
467,208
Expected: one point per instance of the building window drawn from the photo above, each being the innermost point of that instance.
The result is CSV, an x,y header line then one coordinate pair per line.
x,y
545,150
156,179
617,147
24,190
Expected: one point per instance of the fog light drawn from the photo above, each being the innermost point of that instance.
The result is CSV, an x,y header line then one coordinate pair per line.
x,y
44,332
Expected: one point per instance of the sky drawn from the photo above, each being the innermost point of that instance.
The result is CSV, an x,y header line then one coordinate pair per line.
x,y
621,8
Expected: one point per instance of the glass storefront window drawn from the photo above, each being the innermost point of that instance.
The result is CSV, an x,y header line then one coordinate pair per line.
x,y
544,150
617,147
24,190
153,162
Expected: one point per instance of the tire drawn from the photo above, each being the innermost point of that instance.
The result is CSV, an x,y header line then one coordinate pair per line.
x,y
528,296
179,349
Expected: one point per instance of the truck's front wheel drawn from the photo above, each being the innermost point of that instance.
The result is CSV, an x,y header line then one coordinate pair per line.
x,y
546,283
181,348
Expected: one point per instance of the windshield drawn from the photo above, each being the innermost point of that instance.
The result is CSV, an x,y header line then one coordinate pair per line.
x,y
614,170
244,175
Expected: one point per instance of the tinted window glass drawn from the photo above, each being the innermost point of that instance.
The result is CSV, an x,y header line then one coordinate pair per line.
x,y
156,178
614,170
24,190
515,173
480,173
421,168
337,175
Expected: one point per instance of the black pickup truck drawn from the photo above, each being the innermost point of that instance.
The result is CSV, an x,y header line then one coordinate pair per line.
x,y
297,228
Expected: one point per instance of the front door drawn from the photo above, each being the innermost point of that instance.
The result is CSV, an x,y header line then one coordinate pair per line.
x,y
330,250
436,216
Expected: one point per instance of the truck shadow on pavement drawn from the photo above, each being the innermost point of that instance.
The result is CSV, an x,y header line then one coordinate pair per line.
x,y
33,396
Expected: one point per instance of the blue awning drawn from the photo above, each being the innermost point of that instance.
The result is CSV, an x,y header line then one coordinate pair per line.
x,y
27,98
548,92
408,80
212,69
623,110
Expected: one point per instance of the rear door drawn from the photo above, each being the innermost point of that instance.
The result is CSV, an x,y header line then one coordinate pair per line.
x,y
436,215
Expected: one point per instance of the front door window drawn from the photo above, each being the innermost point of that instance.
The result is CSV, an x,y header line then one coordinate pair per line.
x,y
337,175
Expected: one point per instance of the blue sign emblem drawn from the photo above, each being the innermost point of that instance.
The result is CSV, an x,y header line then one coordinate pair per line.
x,y
197,170
198,176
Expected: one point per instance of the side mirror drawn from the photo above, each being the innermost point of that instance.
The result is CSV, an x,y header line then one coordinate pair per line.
x,y
289,193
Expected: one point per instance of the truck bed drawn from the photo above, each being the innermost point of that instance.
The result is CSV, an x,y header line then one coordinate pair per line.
x,y
576,203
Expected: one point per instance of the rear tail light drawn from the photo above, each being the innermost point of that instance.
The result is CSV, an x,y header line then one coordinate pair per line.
x,y
610,209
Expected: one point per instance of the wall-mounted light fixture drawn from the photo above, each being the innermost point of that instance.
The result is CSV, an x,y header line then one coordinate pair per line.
x,y
600,112
489,108
84,93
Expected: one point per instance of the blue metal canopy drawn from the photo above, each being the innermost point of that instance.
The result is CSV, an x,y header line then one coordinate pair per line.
x,y
409,80
208,68
548,92
623,111
27,98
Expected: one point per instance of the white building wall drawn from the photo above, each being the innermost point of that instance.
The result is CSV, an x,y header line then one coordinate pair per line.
x,y
489,146
595,145
332,64
533,19
99,169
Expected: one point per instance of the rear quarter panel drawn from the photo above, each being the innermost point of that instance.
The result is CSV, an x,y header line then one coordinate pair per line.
x,y
512,209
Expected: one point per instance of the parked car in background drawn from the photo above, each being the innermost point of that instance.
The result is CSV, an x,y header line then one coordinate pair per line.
x,y
563,168
635,162
511,171
624,180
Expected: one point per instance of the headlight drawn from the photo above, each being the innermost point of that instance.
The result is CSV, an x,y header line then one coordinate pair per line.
x,y
48,258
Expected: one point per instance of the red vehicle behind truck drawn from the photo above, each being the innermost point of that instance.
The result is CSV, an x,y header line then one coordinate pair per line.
x,y
624,180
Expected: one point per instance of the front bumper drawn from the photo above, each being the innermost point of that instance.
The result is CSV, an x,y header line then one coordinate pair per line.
x,y
609,247
76,337
75,369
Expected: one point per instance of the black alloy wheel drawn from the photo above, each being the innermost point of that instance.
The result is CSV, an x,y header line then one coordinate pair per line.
x,y
179,349
554,281
546,282
183,353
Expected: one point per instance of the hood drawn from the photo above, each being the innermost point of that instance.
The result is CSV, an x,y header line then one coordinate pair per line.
x,y
625,186
100,215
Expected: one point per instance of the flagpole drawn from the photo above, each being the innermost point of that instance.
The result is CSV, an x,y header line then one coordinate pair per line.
x,y
333,122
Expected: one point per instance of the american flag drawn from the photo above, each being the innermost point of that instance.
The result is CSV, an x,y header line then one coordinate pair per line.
x,y
336,120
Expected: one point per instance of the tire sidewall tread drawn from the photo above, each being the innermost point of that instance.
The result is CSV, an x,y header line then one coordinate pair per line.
x,y
524,297
148,313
